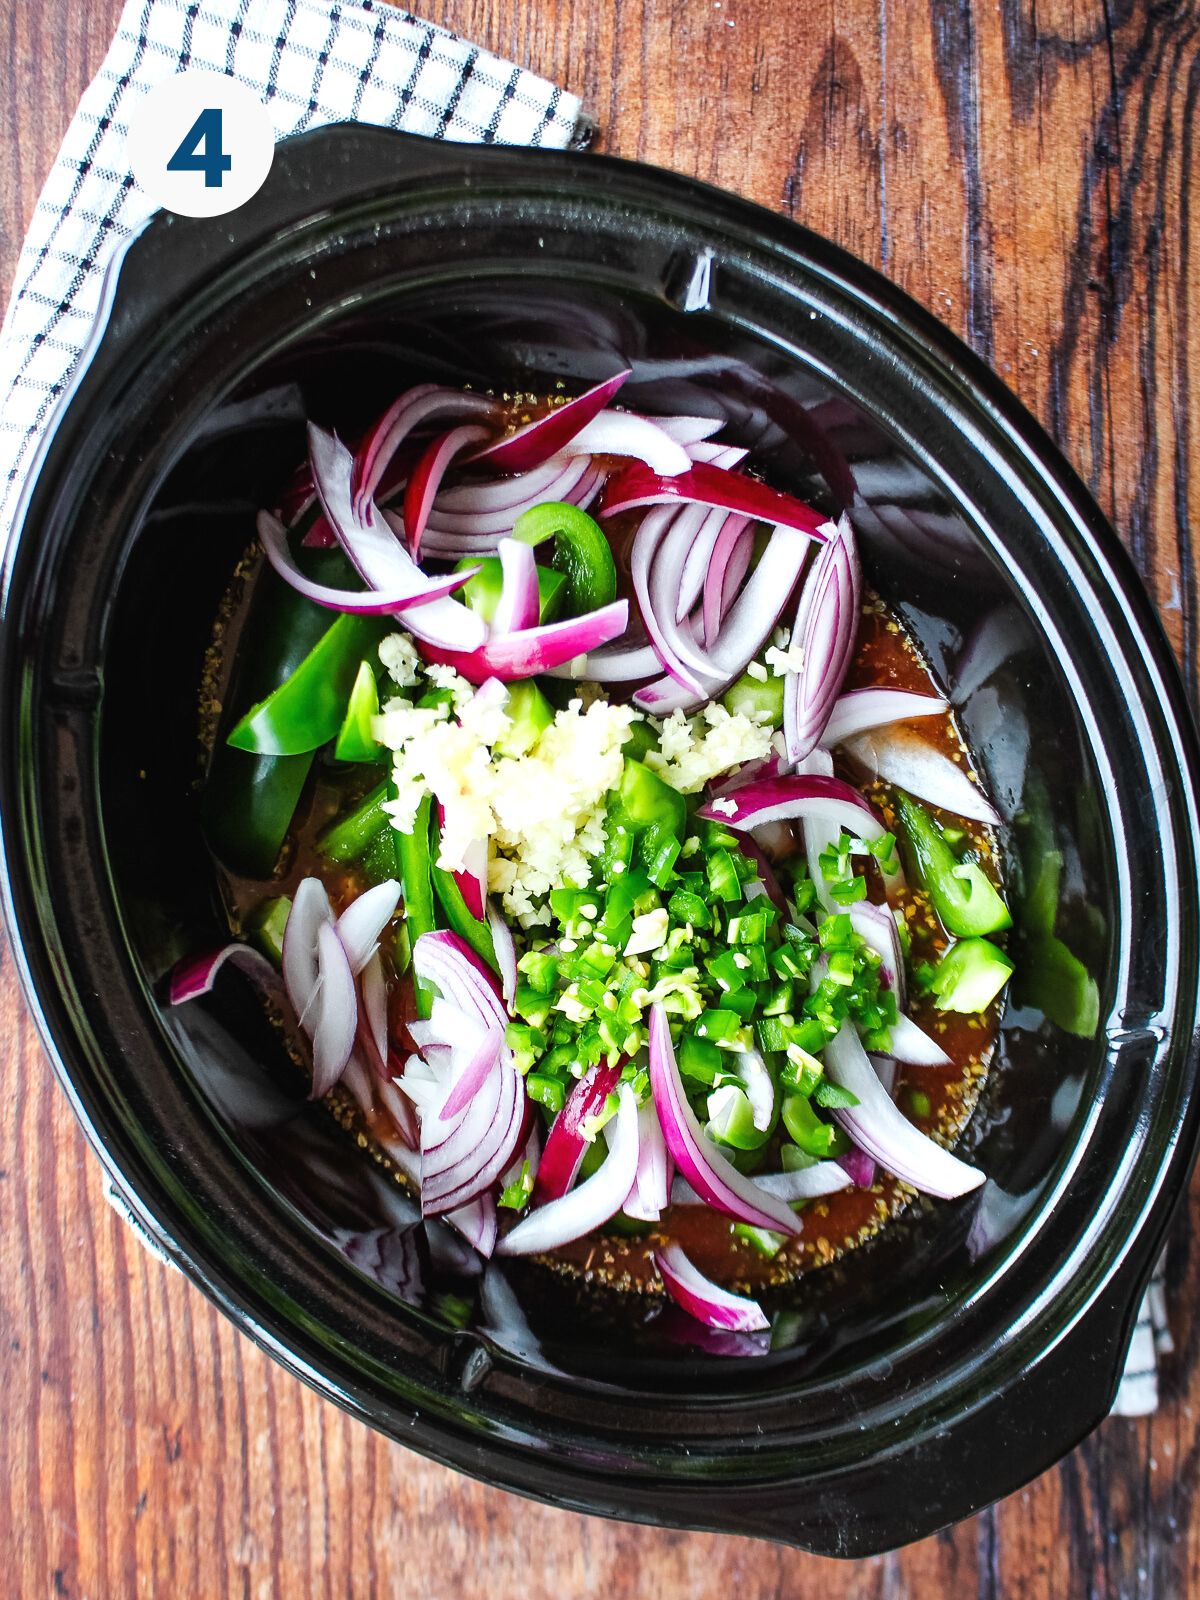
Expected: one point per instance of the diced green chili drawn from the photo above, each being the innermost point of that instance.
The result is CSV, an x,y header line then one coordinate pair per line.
x,y
267,925
482,591
760,699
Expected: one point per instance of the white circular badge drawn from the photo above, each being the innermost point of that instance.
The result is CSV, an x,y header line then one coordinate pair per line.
x,y
201,144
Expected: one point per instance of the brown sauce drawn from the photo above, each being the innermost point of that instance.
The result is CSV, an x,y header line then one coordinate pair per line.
x,y
829,1227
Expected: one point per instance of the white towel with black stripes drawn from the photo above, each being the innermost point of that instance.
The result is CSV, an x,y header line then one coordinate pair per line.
x,y
312,61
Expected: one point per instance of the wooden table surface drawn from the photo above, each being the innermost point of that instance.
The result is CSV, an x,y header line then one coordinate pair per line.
x,y
1026,169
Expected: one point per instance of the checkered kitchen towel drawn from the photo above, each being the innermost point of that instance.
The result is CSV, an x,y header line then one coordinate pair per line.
x,y
313,61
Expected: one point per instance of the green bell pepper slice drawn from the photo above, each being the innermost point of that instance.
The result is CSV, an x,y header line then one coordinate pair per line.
x,y
413,868
529,714
307,708
581,552
248,800
643,798
963,895
355,740
351,836
458,914
759,699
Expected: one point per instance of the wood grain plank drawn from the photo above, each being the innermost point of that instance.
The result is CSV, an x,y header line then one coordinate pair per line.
x,y
1027,169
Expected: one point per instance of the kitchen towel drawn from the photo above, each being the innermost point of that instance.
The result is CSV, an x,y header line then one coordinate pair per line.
x,y
312,61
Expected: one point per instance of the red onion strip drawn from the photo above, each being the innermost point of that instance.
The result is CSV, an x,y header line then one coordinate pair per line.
x,y
506,954
703,1299
534,650
519,605
364,919
335,1020
414,593
594,1201
427,477
712,486
195,975
791,799
650,1194
860,710
715,1179
424,403
879,1127
529,446
567,1139
901,756
826,627
621,433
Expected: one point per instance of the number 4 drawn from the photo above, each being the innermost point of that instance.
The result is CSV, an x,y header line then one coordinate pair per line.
x,y
201,150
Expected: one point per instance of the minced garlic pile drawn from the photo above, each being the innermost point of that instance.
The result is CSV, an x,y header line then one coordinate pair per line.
x,y
541,813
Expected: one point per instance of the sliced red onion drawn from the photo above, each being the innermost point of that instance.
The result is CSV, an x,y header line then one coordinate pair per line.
x,y
535,650
469,1082
914,1047
730,538
506,954
594,1201
902,757
426,477
715,1179
310,911
364,919
718,455
735,572
195,975
469,1159
879,1127
825,630
699,554
356,1080
372,1015
530,1151
620,663
808,1183
466,533
568,1139
426,402
795,799
335,1012
445,959
754,614
519,605
859,1167
859,710
621,433
885,1071
877,925
688,430
703,1299
712,486
478,1223
501,494
771,766
412,594
646,569
650,1193
529,446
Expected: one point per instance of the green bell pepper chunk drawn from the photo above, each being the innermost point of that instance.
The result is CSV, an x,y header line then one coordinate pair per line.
x,y
760,700
307,708
970,976
482,591
355,740
413,867
581,552
529,714
815,1138
249,800
351,836
733,1123
643,798
963,896
267,926
458,914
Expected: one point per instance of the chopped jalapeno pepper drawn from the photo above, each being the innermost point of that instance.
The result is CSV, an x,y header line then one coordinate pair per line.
x,y
413,864
970,976
355,740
